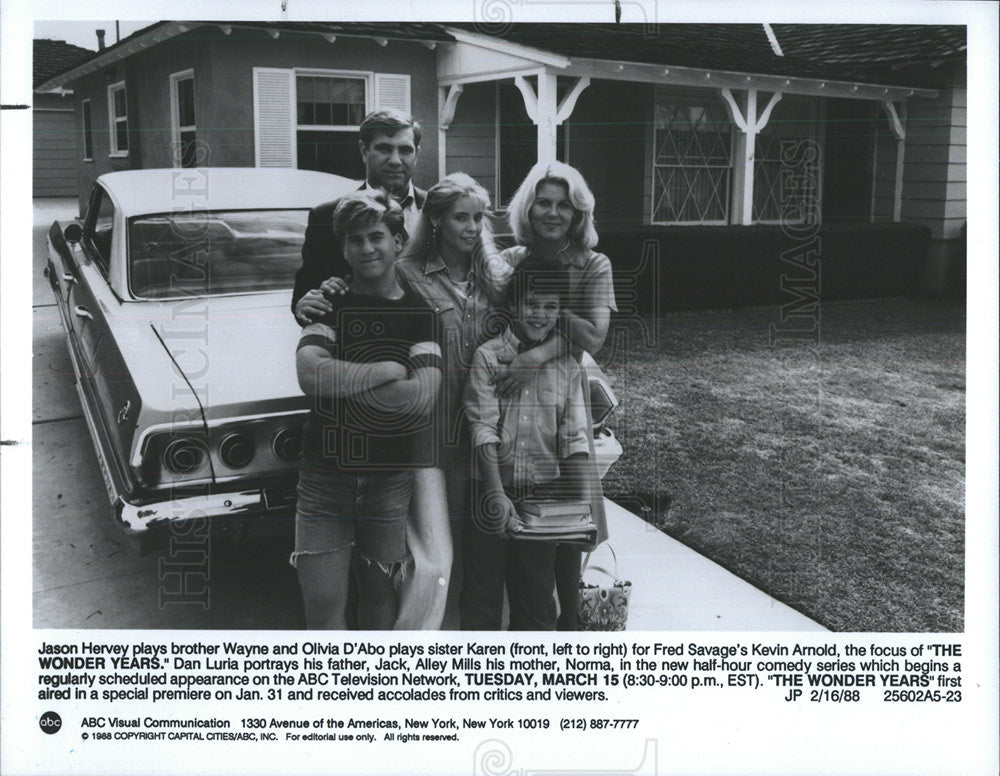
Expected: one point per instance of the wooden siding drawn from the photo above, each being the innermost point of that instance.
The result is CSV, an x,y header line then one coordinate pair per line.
x,y
56,147
470,144
229,117
934,171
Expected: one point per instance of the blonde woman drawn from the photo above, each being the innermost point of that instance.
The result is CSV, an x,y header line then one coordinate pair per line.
x,y
552,217
453,265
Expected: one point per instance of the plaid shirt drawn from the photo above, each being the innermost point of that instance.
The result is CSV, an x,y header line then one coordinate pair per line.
x,y
546,423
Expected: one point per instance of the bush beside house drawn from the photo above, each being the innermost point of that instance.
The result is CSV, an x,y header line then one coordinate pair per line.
x,y
719,267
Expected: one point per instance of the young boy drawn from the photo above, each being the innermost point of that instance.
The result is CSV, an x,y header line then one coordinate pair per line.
x,y
534,443
373,369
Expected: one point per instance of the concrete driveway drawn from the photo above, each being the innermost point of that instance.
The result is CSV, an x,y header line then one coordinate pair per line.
x,y
87,576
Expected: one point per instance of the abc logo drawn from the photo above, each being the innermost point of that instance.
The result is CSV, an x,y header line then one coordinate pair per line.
x,y
50,722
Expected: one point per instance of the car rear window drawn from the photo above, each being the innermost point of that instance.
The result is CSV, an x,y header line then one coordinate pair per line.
x,y
206,253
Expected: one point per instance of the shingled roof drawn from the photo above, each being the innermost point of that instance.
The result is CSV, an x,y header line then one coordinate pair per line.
x,y
903,55
886,54
53,56
908,54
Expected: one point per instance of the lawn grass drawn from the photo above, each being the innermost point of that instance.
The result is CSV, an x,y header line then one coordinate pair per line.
x,y
830,476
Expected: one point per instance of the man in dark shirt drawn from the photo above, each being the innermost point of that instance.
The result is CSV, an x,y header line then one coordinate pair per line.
x,y
389,144
373,368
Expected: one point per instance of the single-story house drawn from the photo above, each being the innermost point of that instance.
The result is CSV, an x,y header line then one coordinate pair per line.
x,y
704,130
56,139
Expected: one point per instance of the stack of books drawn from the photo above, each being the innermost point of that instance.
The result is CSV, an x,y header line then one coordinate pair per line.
x,y
554,520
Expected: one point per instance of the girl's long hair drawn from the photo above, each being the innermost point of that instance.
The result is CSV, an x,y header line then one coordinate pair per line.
x,y
486,262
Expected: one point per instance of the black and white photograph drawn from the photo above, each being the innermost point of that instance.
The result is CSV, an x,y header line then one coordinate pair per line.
x,y
782,312
642,361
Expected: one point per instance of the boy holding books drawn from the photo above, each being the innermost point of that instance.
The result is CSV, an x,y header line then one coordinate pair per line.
x,y
532,444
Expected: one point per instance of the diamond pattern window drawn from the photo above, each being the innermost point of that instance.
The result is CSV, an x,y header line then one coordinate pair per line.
x,y
692,160
792,123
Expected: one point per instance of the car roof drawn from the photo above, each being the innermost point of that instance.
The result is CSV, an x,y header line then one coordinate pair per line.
x,y
219,188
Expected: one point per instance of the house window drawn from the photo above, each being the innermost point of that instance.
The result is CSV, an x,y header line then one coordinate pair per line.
x,y
692,159
88,132
118,119
517,138
310,118
329,110
183,126
793,121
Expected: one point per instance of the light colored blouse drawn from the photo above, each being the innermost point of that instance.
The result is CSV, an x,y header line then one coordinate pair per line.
x,y
465,321
590,281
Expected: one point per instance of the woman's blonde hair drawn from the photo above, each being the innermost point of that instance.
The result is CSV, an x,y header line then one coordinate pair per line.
x,y
582,232
441,197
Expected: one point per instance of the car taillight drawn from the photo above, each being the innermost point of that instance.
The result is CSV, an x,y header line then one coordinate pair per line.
x,y
287,443
236,450
183,456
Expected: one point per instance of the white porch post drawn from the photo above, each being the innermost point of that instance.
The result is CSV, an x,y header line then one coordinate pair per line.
x,y
897,120
874,182
447,102
749,123
545,113
746,146
546,117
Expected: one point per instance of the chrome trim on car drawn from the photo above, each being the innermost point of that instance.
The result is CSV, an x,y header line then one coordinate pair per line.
x,y
156,299
238,504
111,483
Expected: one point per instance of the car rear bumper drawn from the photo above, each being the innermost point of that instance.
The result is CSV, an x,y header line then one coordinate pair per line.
x,y
259,503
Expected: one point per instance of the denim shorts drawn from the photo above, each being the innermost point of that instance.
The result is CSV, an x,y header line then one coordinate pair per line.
x,y
337,510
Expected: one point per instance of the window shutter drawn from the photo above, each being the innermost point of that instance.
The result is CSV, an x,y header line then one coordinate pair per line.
x,y
274,117
392,91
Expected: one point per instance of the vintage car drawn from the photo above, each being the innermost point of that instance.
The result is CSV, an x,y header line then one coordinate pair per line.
x,y
174,291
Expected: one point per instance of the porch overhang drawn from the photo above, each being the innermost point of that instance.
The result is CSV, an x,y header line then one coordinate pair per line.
x,y
475,58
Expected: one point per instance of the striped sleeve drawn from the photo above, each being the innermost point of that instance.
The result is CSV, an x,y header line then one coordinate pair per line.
x,y
319,335
425,354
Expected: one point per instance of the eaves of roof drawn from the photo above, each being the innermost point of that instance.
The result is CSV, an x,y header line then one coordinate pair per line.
x,y
427,33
